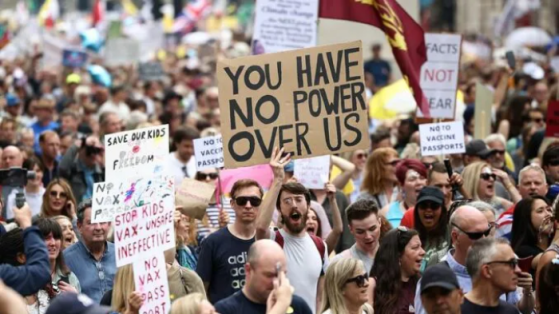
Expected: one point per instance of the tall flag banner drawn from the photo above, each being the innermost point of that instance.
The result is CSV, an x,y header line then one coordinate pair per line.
x,y
98,14
49,13
405,36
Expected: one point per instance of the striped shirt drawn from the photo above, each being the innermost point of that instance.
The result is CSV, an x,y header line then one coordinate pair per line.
x,y
213,220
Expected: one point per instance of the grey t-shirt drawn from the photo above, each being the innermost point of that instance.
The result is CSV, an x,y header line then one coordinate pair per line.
x,y
356,253
304,265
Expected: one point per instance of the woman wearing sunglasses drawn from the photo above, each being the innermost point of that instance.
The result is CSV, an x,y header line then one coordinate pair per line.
x,y
480,180
58,200
215,218
380,183
394,287
346,286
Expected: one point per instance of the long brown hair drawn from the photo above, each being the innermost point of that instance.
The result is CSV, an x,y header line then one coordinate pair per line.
x,y
374,171
45,208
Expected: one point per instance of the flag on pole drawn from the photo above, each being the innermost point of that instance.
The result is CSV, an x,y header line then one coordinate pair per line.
x,y
49,13
405,36
98,14
186,20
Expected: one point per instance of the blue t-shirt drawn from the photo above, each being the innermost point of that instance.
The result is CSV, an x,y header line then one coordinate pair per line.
x,y
38,129
239,303
380,70
222,263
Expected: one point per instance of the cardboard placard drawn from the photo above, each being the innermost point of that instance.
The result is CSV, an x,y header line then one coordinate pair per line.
x,y
310,101
439,75
151,71
193,197
73,58
313,172
284,25
552,119
482,115
122,51
145,229
150,278
442,138
136,153
114,197
208,152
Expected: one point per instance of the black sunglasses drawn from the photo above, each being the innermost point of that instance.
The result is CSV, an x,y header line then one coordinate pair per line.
x,y
496,151
254,200
200,176
512,263
429,205
536,120
475,235
487,176
360,280
55,194
393,162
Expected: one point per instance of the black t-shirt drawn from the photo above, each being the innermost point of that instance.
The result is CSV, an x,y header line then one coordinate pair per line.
x,y
239,303
503,308
222,264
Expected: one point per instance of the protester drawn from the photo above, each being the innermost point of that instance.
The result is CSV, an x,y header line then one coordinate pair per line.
x,y
11,158
79,304
186,254
346,288
337,238
92,258
45,120
116,104
218,214
10,301
50,147
194,303
359,159
380,183
440,291
68,234
378,70
394,287
33,191
181,162
489,214
548,287
58,199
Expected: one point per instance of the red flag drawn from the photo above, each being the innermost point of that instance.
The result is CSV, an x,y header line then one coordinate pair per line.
x,y
98,13
405,36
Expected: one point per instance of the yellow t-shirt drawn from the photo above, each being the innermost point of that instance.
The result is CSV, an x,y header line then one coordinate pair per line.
x,y
348,188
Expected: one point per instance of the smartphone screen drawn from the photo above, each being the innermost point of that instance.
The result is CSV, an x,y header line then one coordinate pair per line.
x,y
510,59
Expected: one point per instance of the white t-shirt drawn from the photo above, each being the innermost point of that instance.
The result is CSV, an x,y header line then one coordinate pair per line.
x,y
304,265
175,168
34,200
121,109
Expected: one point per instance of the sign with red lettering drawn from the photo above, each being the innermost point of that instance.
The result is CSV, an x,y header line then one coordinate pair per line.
x,y
145,229
439,75
552,121
150,277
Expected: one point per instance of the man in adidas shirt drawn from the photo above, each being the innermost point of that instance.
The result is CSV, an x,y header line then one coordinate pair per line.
x,y
306,255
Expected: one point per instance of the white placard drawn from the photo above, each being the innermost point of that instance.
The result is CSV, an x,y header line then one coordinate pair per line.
x,y
313,172
122,51
145,229
137,153
150,278
442,138
208,152
439,75
115,197
284,25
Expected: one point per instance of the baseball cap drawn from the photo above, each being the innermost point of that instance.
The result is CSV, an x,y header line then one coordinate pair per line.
x,y
73,79
12,100
477,148
72,303
430,193
440,276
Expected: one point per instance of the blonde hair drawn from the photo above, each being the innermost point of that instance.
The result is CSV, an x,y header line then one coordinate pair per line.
x,y
337,275
189,304
471,178
45,207
123,287
374,171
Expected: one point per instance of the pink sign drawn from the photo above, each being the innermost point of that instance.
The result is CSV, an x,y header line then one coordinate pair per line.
x,y
262,174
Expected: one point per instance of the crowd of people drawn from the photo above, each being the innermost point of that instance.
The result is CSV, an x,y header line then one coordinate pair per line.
x,y
391,232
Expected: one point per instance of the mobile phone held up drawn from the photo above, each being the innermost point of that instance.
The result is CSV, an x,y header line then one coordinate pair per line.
x,y
511,60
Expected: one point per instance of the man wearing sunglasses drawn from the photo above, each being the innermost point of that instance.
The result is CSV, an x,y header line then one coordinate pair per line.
x,y
497,160
469,225
223,253
494,269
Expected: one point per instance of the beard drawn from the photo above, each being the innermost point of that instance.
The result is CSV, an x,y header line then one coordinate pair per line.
x,y
297,227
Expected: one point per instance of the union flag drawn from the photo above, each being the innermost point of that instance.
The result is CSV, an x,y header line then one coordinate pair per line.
x,y
405,36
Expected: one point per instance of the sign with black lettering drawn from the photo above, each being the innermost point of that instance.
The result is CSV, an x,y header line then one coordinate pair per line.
x,y
310,101
151,71
150,278
442,138
439,75
208,152
136,153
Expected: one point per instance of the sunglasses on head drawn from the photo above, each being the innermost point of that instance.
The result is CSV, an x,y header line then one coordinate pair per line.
x,y
58,194
360,280
243,200
204,176
487,176
512,263
475,235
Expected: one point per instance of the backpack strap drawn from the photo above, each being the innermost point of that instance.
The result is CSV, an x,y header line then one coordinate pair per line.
x,y
321,250
279,239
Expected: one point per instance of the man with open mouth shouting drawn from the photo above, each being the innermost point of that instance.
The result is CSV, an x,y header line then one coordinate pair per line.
x,y
306,254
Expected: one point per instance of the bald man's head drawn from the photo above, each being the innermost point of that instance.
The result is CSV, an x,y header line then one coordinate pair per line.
x,y
263,251
260,270
11,157
468,225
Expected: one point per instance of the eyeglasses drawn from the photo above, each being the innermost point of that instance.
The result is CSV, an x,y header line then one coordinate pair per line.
x,y
475,235
360,280
394,162
487,176
289,201
200,176
243,200
55,194
497,152
361,156
512,263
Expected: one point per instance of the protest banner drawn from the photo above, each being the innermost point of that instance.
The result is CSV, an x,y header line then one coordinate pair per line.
x,y
136,153
439,75
313,172
208,152
145,229
121,51
284,25
73,58
552,120
150,278
151,71
310,101
114,197
482,115
262,174
442,138
193,197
